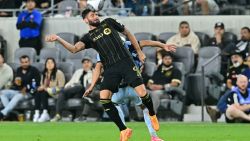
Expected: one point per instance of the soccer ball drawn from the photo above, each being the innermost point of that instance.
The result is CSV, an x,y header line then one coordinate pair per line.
x,y
97,5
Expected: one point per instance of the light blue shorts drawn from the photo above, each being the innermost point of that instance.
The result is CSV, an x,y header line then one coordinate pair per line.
x,y
126,94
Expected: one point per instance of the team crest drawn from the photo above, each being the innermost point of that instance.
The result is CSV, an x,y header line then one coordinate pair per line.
x,y
107,31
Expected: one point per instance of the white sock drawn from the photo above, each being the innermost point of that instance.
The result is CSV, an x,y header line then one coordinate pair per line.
x,y
37,112
45,111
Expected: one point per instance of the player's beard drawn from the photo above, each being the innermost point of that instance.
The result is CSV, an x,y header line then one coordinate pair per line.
x,y
95,23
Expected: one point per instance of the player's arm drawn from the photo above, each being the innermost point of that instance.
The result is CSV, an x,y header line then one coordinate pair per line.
x,y
167,47
72,48
135,44
95,76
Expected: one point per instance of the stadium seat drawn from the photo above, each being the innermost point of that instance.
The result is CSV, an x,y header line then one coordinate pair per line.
x,y
164,36
186,56
213,78
69,37
67,69
76,59
150,68
204,38
49,53
14,66
65,5
181,67
230,37
145,36
150,53
31,52
39,66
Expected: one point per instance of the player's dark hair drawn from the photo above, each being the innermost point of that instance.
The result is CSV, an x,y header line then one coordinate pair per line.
x,y
246,28
24,57
183,22
86,11
53,73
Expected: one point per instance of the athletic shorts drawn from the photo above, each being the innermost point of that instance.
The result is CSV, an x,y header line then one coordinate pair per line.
x,y
124,69
125,95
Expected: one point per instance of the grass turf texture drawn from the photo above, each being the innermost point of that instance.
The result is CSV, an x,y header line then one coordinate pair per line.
x,y
99,131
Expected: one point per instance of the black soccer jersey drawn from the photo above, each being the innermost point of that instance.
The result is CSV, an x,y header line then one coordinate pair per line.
x,y
106,41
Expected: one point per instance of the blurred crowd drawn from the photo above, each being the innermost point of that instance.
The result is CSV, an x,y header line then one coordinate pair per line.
x,y
139,7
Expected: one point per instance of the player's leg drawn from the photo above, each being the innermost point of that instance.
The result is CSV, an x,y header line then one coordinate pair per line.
x,y
117,98
233,113
110,85
133,77
134,98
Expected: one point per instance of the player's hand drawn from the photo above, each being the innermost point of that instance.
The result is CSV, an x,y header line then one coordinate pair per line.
x,y
142,57
170,47
88,92
51,38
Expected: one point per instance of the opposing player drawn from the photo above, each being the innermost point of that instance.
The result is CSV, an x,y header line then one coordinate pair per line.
x,y
117,62
126,92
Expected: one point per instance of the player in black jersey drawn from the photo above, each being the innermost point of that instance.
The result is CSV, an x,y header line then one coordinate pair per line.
x,y
117,62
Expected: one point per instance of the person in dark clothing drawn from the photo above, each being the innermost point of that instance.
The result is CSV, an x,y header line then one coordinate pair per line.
x,y
226,46
27,78
117,61
164,77
6,4
29,23
236,69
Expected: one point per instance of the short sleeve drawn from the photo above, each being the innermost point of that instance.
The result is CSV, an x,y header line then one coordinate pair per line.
x,y
176,76
116,25
87,41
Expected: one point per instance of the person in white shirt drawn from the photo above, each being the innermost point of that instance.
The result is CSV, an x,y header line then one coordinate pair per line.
x,y
202,7
6,73
75,87
185,38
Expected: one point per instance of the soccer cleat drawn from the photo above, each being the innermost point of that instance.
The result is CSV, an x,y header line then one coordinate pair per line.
x,y
125,134
154,122
153,138
56,118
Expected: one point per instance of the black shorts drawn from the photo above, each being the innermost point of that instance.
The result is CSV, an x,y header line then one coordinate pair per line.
x,y
124,69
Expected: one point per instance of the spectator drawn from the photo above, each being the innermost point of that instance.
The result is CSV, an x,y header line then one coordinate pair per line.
x,y
29,23
243,44
43,4
75,88
164,77
166,7
52,82
6,4
226,46
22,86
239,102
246,72
237,68
204,7
235,104
185,37
6,74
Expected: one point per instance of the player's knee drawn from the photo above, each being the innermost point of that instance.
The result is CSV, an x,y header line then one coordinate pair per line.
x,y
141,90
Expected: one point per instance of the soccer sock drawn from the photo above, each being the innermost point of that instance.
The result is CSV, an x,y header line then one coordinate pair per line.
x,y
148,123
147,101
111,110
121,114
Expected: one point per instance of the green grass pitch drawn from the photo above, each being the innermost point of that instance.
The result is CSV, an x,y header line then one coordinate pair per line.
x,y
106,131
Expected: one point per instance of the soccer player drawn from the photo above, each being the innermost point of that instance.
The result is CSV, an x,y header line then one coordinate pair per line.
x,y
117,62
127,92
